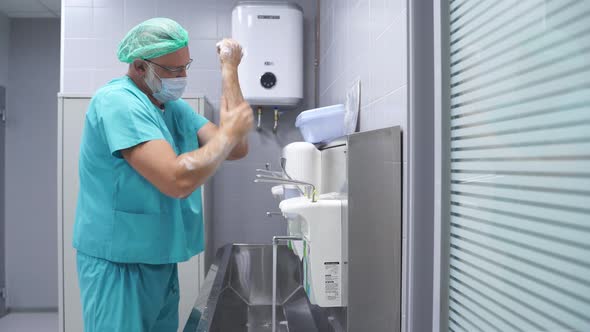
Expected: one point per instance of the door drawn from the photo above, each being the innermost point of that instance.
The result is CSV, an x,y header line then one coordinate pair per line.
x,y
2,253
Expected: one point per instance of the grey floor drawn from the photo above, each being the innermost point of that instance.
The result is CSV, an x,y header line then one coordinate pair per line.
x,y
29,322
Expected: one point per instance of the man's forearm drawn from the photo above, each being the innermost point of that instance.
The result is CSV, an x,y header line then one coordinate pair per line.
x,y
195,167
231,86
233,96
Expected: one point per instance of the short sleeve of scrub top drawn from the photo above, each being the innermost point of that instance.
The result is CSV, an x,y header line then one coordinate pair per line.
x,y
126,122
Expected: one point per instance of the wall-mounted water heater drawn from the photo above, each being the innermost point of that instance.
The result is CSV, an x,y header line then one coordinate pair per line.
x,y
271,34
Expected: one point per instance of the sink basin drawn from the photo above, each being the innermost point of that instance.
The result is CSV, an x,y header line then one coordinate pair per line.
x,y
237,294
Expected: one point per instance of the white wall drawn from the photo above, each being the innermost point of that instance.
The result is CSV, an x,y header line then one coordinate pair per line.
x,y
31,152
93,29
367,40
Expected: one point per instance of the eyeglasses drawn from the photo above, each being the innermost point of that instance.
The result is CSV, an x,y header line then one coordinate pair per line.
x,y
172,69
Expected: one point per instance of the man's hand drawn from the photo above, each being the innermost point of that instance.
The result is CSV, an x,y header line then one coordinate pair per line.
x,y
230,52
238,121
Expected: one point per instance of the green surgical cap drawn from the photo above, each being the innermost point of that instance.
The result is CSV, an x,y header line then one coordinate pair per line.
x,y
151,39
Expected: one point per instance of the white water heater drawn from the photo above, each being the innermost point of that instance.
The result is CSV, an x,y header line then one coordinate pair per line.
x,y
271,34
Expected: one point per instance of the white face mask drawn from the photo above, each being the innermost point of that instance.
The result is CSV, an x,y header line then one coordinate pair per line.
x,y
165,89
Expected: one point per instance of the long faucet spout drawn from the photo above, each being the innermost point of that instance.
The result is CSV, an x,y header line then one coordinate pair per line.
x,y
270,179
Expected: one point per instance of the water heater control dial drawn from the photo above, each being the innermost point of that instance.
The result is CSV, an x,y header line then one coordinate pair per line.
x,y
268,80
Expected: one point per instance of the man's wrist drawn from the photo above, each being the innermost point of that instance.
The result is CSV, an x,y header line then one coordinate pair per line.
x,y
231,135
229,68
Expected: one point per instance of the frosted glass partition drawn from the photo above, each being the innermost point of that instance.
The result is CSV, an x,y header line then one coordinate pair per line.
x,y
519,224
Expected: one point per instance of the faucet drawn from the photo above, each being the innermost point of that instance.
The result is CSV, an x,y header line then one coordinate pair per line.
x,y
278,175
271,179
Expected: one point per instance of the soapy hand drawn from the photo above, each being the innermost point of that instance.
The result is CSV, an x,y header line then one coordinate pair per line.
x,y
238,121
230,52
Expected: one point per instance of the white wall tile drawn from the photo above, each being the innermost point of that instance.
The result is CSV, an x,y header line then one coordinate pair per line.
x,y
338,91
108,23
78,80
211,4
137,11
118,4
224,21
105,53
358,38
327,74
326,26
205,82
392,109
383,14
359,69
340,21
388,60
203,23
77,3
79,53
204,53
174,9
78,22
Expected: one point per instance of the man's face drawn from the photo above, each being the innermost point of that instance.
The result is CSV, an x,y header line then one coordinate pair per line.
x,y
171,65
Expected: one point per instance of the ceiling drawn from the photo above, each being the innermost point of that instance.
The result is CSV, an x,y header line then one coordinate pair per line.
x,y
30,8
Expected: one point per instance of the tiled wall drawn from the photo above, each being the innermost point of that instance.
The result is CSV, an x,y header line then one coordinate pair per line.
x,y
93,29
366,40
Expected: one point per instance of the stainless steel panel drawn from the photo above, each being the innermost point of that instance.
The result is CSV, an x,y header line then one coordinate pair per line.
x,y
236,295
374,224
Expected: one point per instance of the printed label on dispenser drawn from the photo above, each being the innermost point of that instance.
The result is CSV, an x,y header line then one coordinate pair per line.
x,y
332,274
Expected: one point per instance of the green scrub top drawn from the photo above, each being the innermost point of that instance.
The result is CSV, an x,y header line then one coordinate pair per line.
x,y
122,217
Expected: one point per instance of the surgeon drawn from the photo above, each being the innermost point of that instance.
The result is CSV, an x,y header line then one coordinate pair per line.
x,y
144,155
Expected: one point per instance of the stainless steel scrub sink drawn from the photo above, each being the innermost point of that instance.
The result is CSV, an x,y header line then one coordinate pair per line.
x,y
237,294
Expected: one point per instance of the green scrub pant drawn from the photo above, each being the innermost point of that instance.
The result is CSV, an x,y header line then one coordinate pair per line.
x,y
119,297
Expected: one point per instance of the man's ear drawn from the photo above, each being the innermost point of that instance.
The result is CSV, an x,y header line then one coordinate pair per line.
x,y
139,66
